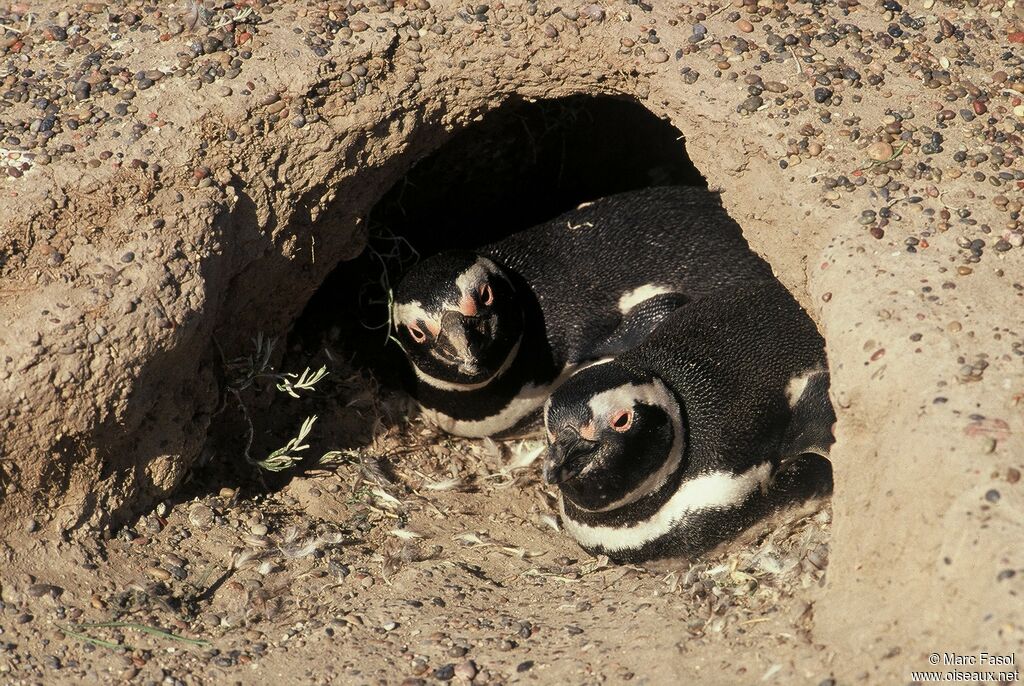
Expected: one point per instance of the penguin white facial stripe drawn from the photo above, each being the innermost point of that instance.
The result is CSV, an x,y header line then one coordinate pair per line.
x,y
715,490
797,385
410,313
528,400
656,480
632,298
625,397
452,386
469,280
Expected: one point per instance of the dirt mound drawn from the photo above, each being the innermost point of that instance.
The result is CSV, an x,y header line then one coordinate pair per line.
x,y
181,178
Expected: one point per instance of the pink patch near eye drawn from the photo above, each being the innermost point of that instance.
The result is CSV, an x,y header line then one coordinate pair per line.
x,y
486,294
467,306
588,432
622,420
416,333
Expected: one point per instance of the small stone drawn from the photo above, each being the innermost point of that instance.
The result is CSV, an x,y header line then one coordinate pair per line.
x,y
200,516
880,151
158,573
39,590
992,495
751,104
744,26
659,56
822,95
466,670
445,672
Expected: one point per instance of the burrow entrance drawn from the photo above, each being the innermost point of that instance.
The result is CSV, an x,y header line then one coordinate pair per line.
x,y
522,164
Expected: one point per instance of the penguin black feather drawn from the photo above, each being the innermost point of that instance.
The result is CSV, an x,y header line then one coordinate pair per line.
x,y
742,381
491,332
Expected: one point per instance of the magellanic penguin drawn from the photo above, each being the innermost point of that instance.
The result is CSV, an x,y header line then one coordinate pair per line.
x,y
719,418
490,332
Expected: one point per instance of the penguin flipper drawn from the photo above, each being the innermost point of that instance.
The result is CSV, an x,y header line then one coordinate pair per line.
x,y
811,419
637,324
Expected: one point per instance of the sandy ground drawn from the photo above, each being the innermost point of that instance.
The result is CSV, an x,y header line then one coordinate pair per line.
x,y
417,559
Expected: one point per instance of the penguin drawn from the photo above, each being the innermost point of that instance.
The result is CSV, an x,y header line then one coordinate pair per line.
x,y
491,332
721,417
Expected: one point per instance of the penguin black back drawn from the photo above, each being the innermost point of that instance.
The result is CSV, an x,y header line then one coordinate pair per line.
x,y
590,266
587,285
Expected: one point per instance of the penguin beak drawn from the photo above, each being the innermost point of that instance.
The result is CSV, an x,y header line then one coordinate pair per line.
x,y
567,456
463,339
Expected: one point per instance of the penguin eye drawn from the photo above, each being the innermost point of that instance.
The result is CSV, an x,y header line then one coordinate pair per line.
x,y
622,420
416,333
486,294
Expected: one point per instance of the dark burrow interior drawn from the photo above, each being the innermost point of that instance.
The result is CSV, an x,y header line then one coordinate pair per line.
x,y
521,164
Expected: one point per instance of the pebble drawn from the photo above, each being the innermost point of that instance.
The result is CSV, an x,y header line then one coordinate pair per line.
x,y
445,672
466,670
39,590
158,573
880,151
200,516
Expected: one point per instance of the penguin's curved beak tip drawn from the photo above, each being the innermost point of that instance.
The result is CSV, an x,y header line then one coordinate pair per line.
x,y
465,344
566,458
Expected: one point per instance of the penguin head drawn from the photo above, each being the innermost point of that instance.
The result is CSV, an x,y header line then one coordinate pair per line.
x,y
457,318
612,434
